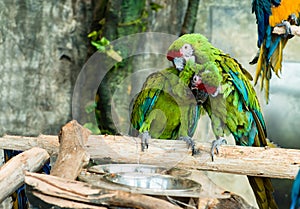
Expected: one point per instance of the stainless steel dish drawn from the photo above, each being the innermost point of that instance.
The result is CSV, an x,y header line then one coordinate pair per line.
x,y
152,182
138,168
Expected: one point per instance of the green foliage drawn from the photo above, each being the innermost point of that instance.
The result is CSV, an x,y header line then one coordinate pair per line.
x,y
99,44
156,7
89,109
92,127
103,45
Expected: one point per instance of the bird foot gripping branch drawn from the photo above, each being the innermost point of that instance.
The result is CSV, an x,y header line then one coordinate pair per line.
x,y
145,136
216,145
191,144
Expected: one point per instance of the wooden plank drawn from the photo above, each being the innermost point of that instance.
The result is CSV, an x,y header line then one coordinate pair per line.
x,y
47,142
75,191
255,161
12,173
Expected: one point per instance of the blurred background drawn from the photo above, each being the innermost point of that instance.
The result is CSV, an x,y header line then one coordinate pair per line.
x,y
44,46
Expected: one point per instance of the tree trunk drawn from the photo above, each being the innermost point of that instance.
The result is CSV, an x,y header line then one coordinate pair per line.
x,y
41,43
190,17
121,19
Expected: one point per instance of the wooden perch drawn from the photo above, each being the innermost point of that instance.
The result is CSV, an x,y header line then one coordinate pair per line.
x,y
12,173
234,201
253,161
72,155
74,194
281,30
256,161
47,142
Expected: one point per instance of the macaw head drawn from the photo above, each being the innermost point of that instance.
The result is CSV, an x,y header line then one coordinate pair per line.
x,y
206,83
185,49
181,56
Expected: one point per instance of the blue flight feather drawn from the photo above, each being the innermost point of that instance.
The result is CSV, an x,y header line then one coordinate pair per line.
x,y
196,117
147,106
295,194
240,86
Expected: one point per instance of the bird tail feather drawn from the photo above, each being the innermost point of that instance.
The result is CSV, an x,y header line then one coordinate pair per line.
x,y
263,191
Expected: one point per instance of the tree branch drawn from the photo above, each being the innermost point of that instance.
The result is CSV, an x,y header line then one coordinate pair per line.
x,y
281,30
12,173
254,161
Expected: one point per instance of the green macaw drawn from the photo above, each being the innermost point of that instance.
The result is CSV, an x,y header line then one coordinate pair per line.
x,y
165,109
222,87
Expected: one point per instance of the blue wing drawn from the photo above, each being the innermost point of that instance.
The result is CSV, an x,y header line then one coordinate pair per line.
x,y
262,10
295,194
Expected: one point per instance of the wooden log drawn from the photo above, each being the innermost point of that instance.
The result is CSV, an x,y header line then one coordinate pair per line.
x,y
47,142
12,173
281,30
75,191
72,155
40,200
234,201
253,161
256,161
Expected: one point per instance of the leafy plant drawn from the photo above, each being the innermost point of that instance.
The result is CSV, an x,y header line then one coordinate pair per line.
x,y
89,109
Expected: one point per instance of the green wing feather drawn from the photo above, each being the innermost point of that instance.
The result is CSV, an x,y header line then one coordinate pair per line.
x,y
164,107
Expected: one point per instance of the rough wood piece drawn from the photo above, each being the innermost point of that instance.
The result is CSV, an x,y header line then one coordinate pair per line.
x,y
233,202
232,159
281,30
253,161
12,173
47,142
40,200
72,155
80,192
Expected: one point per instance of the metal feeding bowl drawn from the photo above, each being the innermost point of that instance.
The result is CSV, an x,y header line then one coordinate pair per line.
x,y
138,168
153,182
147,179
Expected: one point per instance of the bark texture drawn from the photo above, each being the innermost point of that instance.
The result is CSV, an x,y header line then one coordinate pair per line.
x,y
43,47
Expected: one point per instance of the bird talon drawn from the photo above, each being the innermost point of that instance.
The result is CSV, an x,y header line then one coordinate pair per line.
x,y
191,144
145,136
215,146
287,26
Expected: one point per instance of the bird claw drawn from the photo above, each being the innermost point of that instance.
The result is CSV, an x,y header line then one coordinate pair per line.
x,y
216,145
145,136
191,144
255,59
286,24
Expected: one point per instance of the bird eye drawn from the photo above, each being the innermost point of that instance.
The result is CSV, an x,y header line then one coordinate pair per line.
x,y
195,78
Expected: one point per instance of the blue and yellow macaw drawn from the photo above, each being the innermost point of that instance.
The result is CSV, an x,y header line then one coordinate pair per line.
x,y
295,194
222,87
19,198
271,13
165,109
